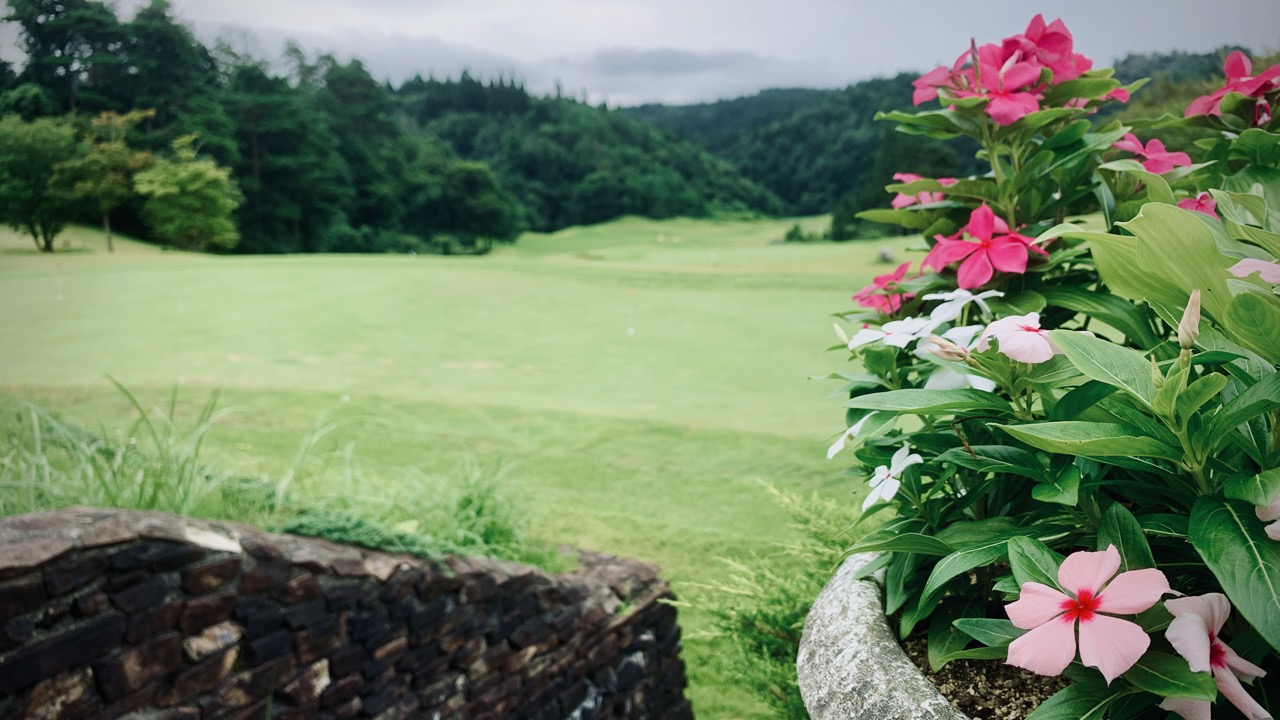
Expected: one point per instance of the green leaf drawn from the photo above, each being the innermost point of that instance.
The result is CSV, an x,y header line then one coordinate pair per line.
x,y
1157,187
1200,392
906,542
1115,311
1170,676
1071,405
980,653
915,401
1073,437
1165,525
991,632
944,639
1089,88
1253,319
1178,251
1120,528
963,561
1079,701
1260,489
1063,490
1264,239
1257,147
1033,561
1107,362
995,459
1231,541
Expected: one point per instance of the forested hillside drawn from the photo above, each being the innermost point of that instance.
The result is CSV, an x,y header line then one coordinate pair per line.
x,y
322,157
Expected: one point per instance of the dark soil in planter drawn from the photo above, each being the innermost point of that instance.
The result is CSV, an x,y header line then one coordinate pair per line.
x,y
985,689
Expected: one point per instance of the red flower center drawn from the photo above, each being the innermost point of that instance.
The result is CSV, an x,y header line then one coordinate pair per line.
x,y
1217,654
1082,607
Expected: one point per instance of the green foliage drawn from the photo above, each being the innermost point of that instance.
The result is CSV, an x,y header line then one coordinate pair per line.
x,y
103,172
32,198
190,200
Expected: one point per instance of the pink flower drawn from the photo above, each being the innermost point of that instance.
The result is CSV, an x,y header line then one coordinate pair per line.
x,y
1268,514
1237,67
1006,81
883,294
1268,271
902,200
1202,203
1158,160
993,248
926,86
1051,46
1052,616
1020,338
1194,634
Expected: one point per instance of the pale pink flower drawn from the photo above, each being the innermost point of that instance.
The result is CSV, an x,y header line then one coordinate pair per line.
x,y
1268,514
993,247
1202,203
1268,271
1087,590
1020,338
883,294
885,481
1194,634
1157,160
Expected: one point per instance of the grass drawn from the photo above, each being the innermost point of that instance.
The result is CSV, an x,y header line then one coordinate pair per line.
x,y
634,382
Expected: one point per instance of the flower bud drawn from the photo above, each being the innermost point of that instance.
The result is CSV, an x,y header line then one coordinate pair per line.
x,y
840,333
946,349
1189,326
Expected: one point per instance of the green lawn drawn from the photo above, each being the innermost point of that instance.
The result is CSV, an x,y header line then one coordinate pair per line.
x,y
635,381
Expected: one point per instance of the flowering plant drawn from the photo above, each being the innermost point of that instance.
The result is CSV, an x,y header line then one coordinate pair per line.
x,y
1078,428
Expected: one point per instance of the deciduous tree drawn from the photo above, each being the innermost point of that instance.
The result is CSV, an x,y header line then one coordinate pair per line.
x,y
191,201
103,172
32,199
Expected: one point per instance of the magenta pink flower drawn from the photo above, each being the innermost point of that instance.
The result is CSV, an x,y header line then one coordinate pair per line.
x,y
926,86
883,294
1237,68
1005,81
1268,271
1087,591
1020,338
1051,46
1194,634
992,248
1202,203
902,200
1158,160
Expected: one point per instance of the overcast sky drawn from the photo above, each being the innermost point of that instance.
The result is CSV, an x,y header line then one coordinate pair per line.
x,y
678,51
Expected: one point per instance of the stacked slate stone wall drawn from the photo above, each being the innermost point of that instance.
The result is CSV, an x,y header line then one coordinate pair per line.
x,y
107,614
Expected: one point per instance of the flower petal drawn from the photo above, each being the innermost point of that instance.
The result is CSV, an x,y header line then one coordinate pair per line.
x,y
1187,708
1268,271
1230,687
975,271
981,222
1046,650
1190,638
1037,604
1088,570
1240,666
1028,347
1112,645
1134,591
1008,255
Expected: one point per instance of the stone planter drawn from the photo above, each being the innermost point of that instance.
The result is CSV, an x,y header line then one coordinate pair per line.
x,y
850,664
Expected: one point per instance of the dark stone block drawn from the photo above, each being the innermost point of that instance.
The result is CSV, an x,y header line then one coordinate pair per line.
x,y
198,679
348,709
144,698
403,608
258,615
347,661
91,603
265,576
306,614
199,613
15,632
341,690
124,580
21,596
430,614
128,671
73,573
343,597
320,640
67,696
365,625
270,647
210,574
176,556
401,585
379,701
531,632
132,557
153,622
249,687
481,587
71,648
55,611
301,588
141,596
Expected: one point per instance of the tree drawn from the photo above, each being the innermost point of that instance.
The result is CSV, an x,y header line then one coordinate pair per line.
x,y
103,172
71,46
191,200
32,199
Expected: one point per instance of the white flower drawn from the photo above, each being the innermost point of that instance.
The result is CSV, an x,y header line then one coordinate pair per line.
x,y
944,378
847,435
885,481
955,301
898,333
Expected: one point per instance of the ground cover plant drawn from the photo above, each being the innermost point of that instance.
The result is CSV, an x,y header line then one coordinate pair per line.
x,y
649,445
1076,428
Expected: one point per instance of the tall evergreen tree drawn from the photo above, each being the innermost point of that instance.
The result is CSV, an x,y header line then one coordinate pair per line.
x,y
73,49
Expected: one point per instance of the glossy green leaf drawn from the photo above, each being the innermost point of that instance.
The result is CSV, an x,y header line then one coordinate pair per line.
x,y
1204,389
1062,490
963,561
1120,528
1080,701
1170,676
1157,187
1257,147
1178,251
1107,362
995,459
931,402
905,542
945,639
1260,490
1072,437
1115,311
1254,320
1033,561
1231,540
1071,405
991,632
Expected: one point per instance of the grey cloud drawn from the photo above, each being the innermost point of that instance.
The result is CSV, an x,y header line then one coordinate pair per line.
x,y
620,62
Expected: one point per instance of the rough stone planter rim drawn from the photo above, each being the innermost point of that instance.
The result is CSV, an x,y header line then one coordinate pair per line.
x,y
850,664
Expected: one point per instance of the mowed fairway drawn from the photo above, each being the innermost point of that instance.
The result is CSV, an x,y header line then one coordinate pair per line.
x,y
634,381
